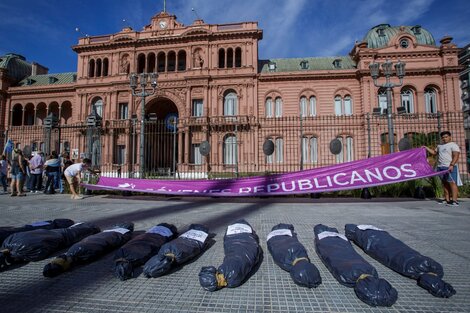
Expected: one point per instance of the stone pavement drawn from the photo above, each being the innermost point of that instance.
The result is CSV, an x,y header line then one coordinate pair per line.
x,y
437,231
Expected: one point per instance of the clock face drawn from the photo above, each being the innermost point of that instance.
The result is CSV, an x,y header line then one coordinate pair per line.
x,y
163,24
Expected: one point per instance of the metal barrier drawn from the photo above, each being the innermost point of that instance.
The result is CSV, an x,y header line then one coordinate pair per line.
x,y
235,143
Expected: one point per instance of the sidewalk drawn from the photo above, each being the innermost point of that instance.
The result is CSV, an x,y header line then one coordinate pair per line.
x,y
440,232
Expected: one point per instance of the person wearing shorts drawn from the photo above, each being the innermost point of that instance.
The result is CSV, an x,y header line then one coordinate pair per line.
x,y
73,176
447,156
17,173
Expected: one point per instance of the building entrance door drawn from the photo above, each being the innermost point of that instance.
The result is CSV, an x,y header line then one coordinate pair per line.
x,y
161,136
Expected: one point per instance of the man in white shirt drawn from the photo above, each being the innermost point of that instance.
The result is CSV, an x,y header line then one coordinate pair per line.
x,y
73,176
447,156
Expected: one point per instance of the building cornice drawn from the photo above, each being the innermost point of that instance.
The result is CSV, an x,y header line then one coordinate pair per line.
x,y
41,90
109,44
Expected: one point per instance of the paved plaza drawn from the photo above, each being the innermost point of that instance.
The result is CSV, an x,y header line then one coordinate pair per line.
x,y
437,231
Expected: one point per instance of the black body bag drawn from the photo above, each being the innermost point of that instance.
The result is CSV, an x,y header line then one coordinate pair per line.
x,y
350,269
396,255
140,249
290,255
57,223
178,251
38,244
90,249
242,254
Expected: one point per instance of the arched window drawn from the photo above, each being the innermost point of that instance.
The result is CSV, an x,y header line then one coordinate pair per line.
x,y
310,149
314,150
221,58
269,107
105,67
430,100
229,57
98,68
182,60
347,102
347,151
97,106
303,107
17,115
141,63
407,100
28,114
171,61
238,57
278,154
310,108
230,104
91,68
382,98
161,62
278,107
151,63
338,106
230,149
279,150
343,106
313,106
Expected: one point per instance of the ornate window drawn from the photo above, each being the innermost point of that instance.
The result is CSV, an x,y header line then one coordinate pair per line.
x,y
269,107
343,106
181,60
161,62
407,100
230,104
404,43
229,58
171,66
279,150
91,68
230,149
310,108
221,58
97,106
198,108
141,63
382,99
347,151
105,67
278,107
196,156
278,154
238,57
430,100
310,149
123,111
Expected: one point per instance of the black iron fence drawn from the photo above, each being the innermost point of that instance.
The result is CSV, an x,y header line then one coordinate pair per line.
x,y
232,146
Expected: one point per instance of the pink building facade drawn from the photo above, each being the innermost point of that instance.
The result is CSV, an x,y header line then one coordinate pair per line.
x,y
211,78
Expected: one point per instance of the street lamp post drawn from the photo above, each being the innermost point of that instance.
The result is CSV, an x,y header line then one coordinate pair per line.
x,y
387,71
142,80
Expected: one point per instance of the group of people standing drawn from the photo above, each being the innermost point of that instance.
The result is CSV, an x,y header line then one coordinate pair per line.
x,y
29,173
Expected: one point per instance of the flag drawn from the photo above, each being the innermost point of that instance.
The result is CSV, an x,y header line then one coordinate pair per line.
x,y
9,146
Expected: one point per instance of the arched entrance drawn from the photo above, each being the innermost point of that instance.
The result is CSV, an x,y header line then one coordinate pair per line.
x,y
161,137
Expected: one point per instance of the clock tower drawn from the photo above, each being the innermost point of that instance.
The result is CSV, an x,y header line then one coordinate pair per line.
x,y
163,22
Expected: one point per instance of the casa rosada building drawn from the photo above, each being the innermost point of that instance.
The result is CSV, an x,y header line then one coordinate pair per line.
x,y
228,102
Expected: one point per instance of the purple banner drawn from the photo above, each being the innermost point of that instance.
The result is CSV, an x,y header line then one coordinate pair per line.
x,y
381,170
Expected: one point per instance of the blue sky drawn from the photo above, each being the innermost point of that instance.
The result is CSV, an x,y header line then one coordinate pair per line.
x,y
44,31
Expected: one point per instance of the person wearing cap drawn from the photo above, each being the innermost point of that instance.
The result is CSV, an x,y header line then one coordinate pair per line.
x,y
17,172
